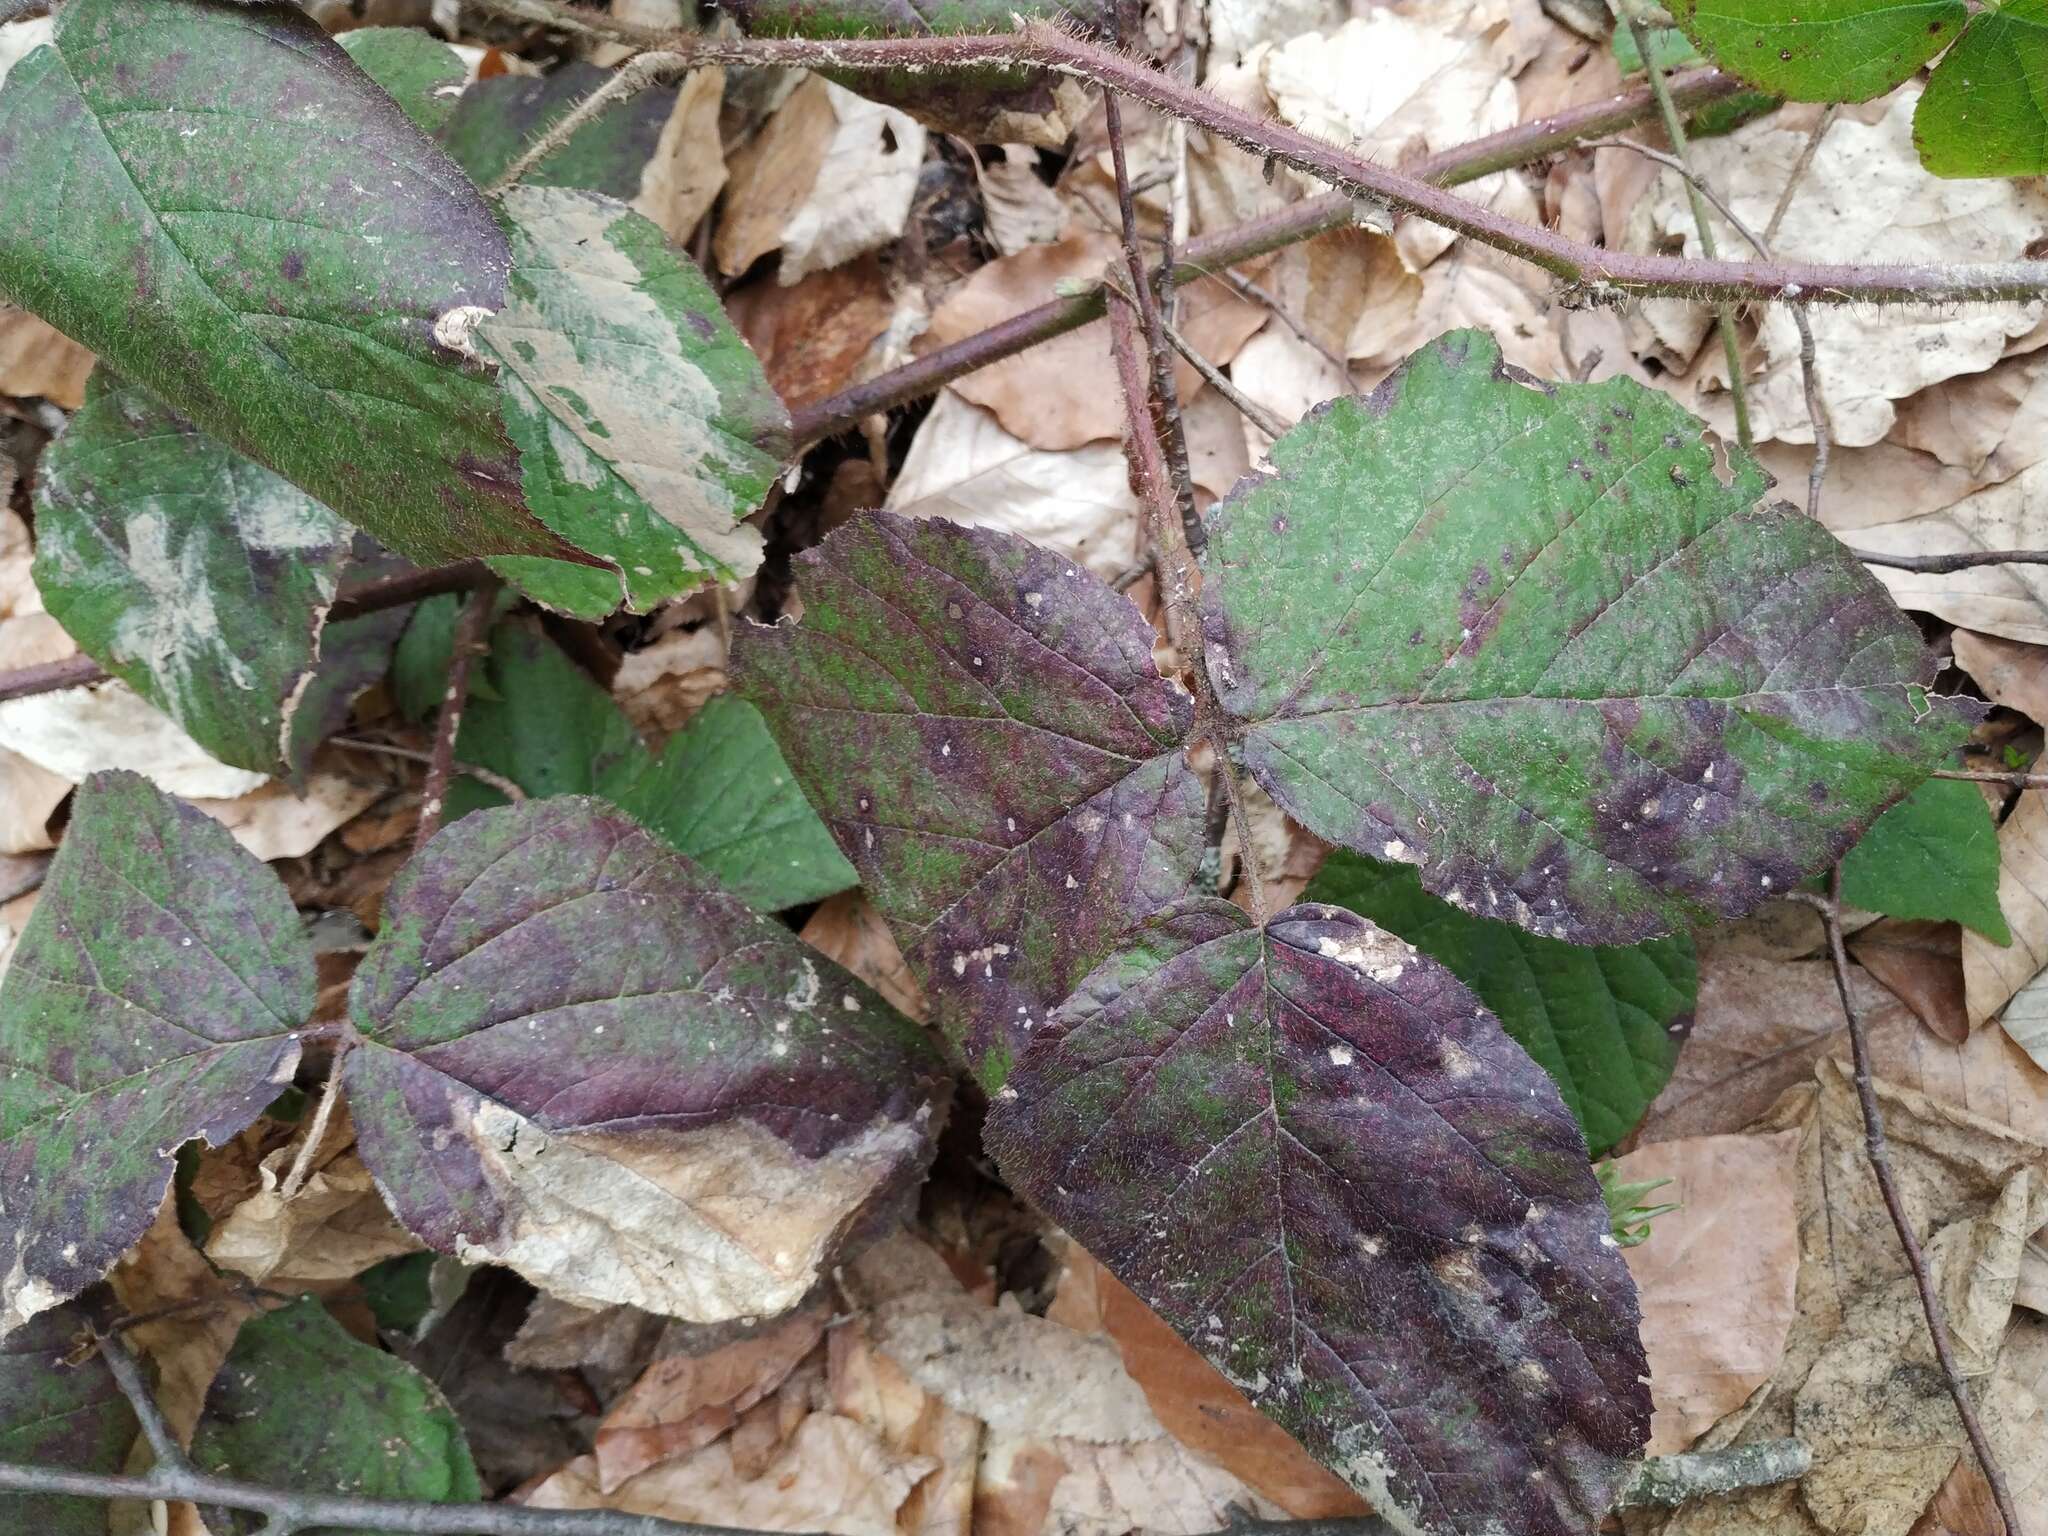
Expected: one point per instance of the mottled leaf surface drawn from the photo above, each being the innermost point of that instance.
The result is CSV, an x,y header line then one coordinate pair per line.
x,y
218,202
54,1413
1526,638
301,1403
646,428
585,1061
1933,855
190,572
419,72
155,997
721,793
1985,110
1311,1151
980,723
1822,50
1605,1021
498,118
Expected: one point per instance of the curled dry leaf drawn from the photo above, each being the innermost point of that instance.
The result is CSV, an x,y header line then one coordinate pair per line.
x,y
2011,672
1992,973
847,928
1716,1276
829,177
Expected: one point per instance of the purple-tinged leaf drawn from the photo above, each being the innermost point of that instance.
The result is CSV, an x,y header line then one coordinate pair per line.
x,y
155,997
1527,638
1313,1153
57,1412
585,1061
980,723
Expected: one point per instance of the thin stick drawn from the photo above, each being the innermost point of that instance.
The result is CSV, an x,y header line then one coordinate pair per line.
x,y
1878,1152
1590,272
51,677
1279,311
2019,778
1249,408
1216,253
127,1373
1674,130
630,79
1965,560
1800,167
469,644
504,786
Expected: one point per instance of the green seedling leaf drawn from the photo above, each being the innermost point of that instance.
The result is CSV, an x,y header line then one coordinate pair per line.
x,y
1605,1022
299,1403
585,1061
1628,1217
156,997
980,724
1312,1152
1822,50
57,1411
1985,111
192,573
647,430
219,203
983,105
1933,855
498,118
421,73
1525,637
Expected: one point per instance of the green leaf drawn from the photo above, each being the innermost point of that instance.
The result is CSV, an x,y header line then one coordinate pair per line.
x,y
421,73
419,666
57,1412
1605,1022
299,1403
156,996
647,430
219,203
721,793
584,1060
1985,111
1822,50
1933,855
498,118
1672,50
1524,636
1310,1151
193,574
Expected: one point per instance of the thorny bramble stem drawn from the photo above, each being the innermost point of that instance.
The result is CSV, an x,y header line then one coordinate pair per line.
x,y
470,642
1878,1152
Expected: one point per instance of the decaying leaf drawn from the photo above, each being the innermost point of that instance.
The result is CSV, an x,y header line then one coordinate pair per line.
x,y
1226,1117
78,732
1715,1277
155,998
1992,972
37,359
1734,696
651,1096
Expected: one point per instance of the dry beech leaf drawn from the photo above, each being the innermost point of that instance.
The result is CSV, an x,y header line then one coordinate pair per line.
x,y
687,170
814,336
1992,424
1921,963
1865,197
964,465
274,821
873,1390
36,359
79,731
1020,210
662,685
2011,672
1992,973
1716,1276
829,177
1195,1402
847,928
1063,393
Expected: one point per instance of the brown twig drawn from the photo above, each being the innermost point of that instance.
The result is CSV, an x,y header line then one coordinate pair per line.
x,y
2018,778
1964,560
127,1373
508,788
51,677
469,643
1216,253
1878,1153
1217,380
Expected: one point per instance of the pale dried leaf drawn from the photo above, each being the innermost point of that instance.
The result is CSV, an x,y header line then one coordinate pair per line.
x,y
36,359
334,1228
662,685
1921,963
868,1387
965,466
829,177
687,170
848,929
1992,973
274,821
80,731
1716,1276
29,796
1992,424
1018,208
2010,672
200,1315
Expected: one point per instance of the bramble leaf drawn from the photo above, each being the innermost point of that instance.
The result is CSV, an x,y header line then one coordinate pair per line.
x,y
498,118
156,997
57,1413
1313,1153
1985,109
1605,1022
583,1060
421,73
1524,636
219,203
300,1403
647,430
193,574
1822,50
1933,855
980,724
